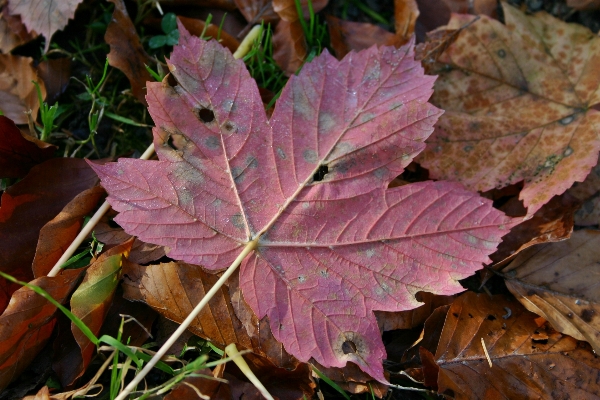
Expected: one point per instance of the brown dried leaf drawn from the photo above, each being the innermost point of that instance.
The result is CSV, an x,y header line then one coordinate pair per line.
x,y
29,204
347,35
289,46
352,379
28,321
528,360
588,192
256,11
55,72
517,100
12,31
558,281
551,223
19,153
44,16
188,388
56,235
173,290
141,253
17,92
127,52
287,11
584,5
406,13
196,27
412,318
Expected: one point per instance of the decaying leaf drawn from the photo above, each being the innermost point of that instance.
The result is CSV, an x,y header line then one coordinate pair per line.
x,y
412,318
309,188
126,50
528,360
56,235
517,100
44,16
92,299
551,223
12,31
557,281
17,92
29,204
141,253
406,13
18,153
28,321
347,35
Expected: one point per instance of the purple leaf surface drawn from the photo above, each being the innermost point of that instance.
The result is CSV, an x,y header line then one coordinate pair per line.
x,y
334,244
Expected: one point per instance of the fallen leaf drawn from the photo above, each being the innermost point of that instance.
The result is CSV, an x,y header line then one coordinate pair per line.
x,y
287,11
19,153
42,394
192,385
197,26
289,46
56,235
92,299
173,289
409,319
351,379
551,223
55,73
326,243
584,5
554,281
30,203
588,192
528,360
44,16
126,50
17,92
28,321
282,383
256,11
141,253
347,35
406,13
517,100
12,31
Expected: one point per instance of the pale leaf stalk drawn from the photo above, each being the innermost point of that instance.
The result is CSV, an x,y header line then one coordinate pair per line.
x,y
187,322
89,227
237,358
247,42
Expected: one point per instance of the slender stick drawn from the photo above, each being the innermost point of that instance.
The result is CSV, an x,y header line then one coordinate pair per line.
x,y
237,358
89,227
186,323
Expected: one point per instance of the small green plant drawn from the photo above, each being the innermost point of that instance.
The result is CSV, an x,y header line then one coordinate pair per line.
x,y
171,34
48,115
315,31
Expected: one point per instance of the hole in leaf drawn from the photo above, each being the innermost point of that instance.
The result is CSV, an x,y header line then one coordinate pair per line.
x,y
348,347
205,115
321,172
491,317
541,341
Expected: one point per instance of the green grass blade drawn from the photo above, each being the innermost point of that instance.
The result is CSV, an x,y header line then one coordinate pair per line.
x,y
331,383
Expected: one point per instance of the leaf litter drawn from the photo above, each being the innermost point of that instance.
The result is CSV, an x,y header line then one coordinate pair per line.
x,y
241,314
205,199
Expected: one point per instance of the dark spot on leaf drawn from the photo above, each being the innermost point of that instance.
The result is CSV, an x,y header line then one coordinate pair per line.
x,y
570,315
468,148
491,318
556,274
281,153
455,314
237,221
348,347
321,172
252,162
587,315
212,142
540,341
470,316
310,156
229,126
501,53
205,115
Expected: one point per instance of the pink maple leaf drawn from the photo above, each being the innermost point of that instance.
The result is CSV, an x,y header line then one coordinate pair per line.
x,y
309,186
